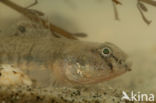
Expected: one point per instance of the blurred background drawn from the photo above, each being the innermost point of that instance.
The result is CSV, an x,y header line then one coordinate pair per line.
x,y
96,18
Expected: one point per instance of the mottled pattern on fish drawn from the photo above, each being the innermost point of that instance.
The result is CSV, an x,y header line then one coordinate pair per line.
x,y
52,61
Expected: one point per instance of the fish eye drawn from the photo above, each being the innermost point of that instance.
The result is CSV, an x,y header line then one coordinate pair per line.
x,y
106,52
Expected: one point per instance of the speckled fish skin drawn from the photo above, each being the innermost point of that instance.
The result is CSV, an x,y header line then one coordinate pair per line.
x,y
49,61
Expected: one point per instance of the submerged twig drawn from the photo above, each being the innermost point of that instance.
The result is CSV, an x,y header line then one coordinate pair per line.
x,y
33,4
141,7
117,2
33,10
150,2
32,16
115,11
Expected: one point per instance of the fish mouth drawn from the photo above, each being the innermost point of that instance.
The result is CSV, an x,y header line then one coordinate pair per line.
x,y
125,63
128,67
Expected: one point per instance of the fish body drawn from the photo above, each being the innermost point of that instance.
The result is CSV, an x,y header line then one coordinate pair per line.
x,y
48,60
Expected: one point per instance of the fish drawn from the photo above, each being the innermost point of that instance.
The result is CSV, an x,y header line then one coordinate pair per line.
x,y
50,61
60,61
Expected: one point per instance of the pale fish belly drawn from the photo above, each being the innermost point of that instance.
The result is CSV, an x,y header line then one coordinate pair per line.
x,y
9,75
25,74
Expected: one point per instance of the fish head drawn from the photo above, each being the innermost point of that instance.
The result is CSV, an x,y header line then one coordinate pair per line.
x,y
93,63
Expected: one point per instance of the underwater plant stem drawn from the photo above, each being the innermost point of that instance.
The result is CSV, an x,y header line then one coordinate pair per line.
x,y
33,4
